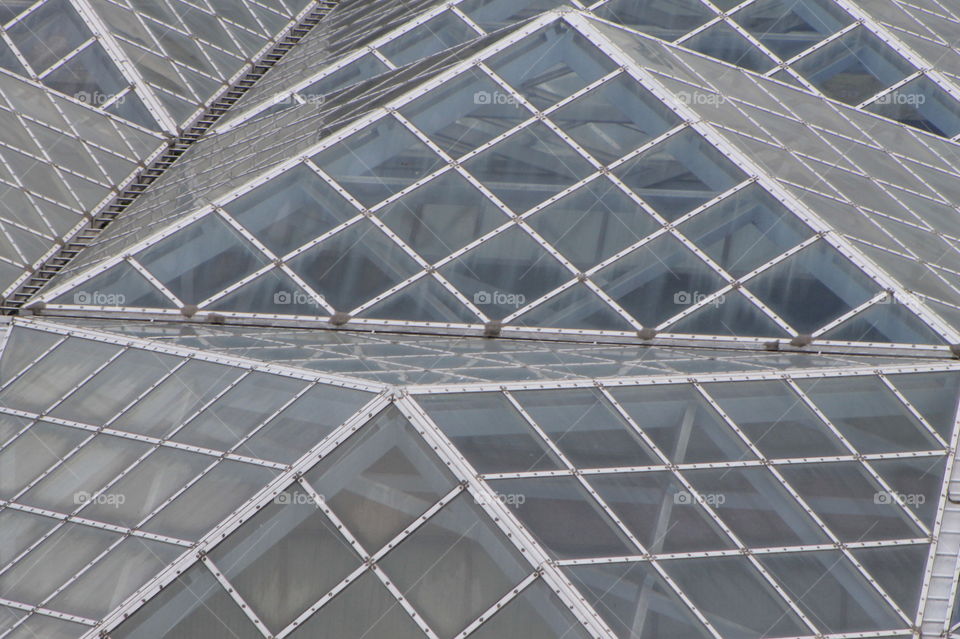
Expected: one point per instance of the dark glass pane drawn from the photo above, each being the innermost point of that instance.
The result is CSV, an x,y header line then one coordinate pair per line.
x,y
577,307
665,19
723,42
426,300
441,32
120,285
934,395
787,28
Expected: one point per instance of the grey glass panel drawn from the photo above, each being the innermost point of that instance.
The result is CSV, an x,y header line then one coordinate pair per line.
x,y
90,74
916,482
655,281
378,161
489,432
723,42
10,616
441,32
176,398
885,323
112,579
849,501
361,69
192,605
854,67
381,479
82,474
547,505
465,112
735,597
304,423
935,397
776,419
666,19
210,500
291,209
20,531
428,566
615,118
24,459
746,230
22,347
536,613
586,428
869,415
426,300
680,174
576,307
593,223
681,423
831,592
354,266
660,511
147,486
813,287
285,557
756,507
51,563
442,216
787,27
59,371
899,570
500,13
120,285
528,167
201,259
48,628
921,104
728,314
116,386
549,65
364,610
636,602
244,407
49,32
505,272
271,293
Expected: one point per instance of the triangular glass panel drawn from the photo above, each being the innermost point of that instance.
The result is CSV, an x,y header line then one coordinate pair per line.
x,y
381,480
505,272
682,424
615,118
443,31
787,28
354,266
679,174
428,566
500,13
813,287
48,33
664,19
934,395
577,307
655,281
721,41
364,610
426,300
89,76
201,259
285,557
660,511
899,571
29,455
593,223
586,428
729,314
192,605
528,167
735,598
746,230
120,285
271,293
551,64
378,161
636,602
776,419
884,323
23,345
543,503
828,588
869,415
916,482
489,432
291,209
922,104
442,216
536,613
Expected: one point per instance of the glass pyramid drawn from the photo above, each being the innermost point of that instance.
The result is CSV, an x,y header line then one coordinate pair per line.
x,y
479,319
